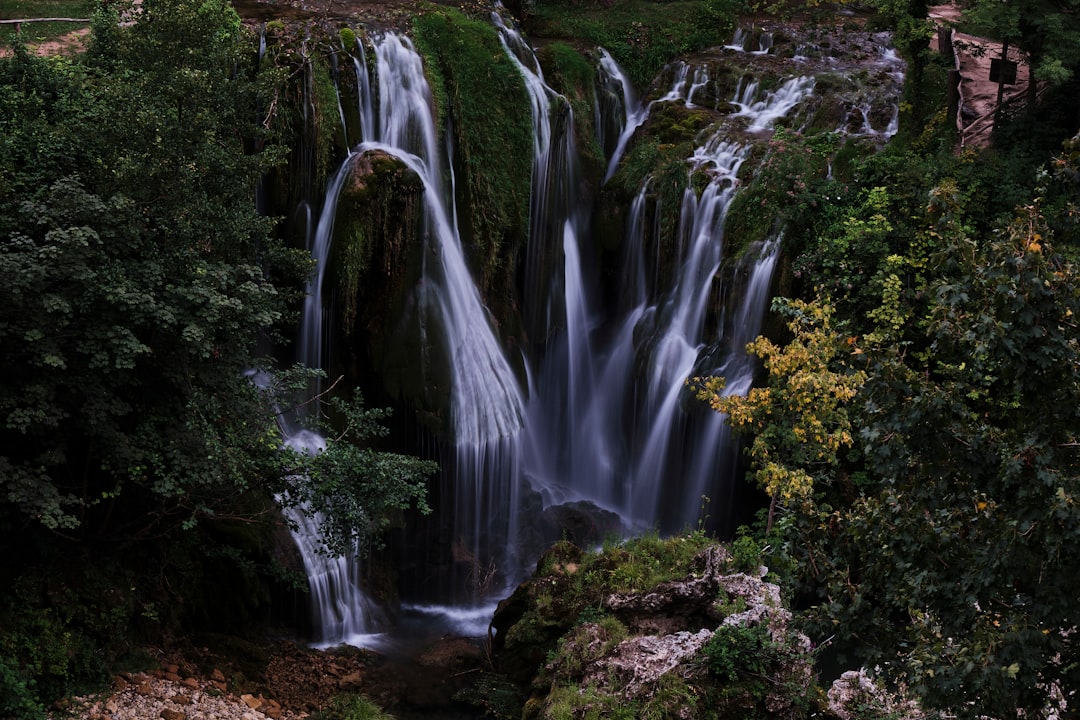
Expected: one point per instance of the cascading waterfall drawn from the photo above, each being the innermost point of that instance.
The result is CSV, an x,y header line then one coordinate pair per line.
x,y
655,469
568,434
486,404
482,482
606,419
341,611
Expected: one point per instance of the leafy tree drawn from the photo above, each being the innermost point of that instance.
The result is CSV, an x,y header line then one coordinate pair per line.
x,y
948,556
1044,29
799,420
139,283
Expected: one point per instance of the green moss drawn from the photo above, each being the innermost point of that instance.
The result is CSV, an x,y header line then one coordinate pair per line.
x,y
348,39
374,259
570,74
567,702
327,118
641,35
478,86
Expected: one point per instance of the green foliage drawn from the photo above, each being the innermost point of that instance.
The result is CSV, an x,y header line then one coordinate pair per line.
x,y
940,549
735,650
138,460
357,489
17,700
800,420
573,703
1045,30
351,707
478,86
789,189
746,553
643,36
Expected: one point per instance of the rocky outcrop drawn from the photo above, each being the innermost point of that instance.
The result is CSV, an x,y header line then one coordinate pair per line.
x,y
663,628
855,694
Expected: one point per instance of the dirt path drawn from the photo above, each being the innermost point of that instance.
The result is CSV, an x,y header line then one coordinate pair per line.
x,y
67,44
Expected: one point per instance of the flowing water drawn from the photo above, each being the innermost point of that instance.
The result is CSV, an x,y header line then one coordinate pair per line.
x,y
602,414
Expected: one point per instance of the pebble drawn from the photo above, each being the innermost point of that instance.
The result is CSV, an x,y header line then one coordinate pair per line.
x,y
147,698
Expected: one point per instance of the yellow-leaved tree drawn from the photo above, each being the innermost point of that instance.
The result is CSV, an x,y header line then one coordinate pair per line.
x,y
799,421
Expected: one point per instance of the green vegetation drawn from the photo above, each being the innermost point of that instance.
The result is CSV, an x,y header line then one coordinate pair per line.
x,y
33,33
138,461
478,86
575,581
351,707
934,525
642,35
608,625
570,74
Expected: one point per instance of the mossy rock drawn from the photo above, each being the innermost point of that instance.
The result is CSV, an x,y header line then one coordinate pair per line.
x,y
481,92
374,268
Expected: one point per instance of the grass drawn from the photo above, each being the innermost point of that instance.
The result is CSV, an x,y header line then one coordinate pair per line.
x,y
33,33
642,35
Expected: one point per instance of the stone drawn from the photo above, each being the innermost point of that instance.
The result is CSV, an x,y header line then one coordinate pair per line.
x,y
170,714
639,663
190,682
217,675
251,701
172,677
144,688
352,679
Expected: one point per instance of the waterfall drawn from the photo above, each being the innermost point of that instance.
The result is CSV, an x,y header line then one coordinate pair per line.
x,y
607,418
342,613
645,456
486,406
566,435
634,114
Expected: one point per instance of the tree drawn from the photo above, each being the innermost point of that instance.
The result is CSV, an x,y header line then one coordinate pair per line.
x,y
949,561
138,461
799,421
1044,29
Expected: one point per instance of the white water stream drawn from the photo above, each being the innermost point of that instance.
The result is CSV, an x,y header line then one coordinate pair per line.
x,y
605,418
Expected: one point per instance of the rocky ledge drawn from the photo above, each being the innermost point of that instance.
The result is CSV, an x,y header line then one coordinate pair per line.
x,y
677,628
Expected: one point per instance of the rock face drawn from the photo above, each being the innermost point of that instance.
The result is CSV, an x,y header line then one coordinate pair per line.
x,y
666,629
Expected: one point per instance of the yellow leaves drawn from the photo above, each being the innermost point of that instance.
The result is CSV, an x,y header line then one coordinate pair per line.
x,y
799,420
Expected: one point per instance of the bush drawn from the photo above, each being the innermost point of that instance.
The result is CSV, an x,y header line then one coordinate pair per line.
x,y
733,651
17,700
351,707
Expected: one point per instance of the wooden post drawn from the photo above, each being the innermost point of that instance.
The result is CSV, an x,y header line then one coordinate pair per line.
x,y
1001,86
953,82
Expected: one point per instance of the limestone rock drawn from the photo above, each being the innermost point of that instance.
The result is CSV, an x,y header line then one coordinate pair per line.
x,y
636,665
855,693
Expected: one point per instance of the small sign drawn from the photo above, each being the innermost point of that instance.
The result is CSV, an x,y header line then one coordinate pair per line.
x,y
1002,71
